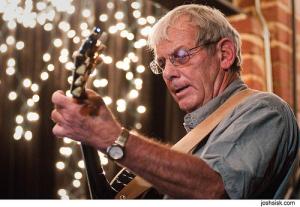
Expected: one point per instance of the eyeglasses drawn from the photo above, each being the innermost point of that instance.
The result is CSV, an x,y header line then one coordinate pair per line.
x,y
178,57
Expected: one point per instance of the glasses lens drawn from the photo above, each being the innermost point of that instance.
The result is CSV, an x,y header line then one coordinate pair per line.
x,y
155,68
161,62
180,57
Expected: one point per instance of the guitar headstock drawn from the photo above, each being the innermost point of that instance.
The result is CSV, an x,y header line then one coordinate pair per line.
x,y
85,61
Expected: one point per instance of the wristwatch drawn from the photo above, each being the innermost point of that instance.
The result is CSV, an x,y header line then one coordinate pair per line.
x,y
116,150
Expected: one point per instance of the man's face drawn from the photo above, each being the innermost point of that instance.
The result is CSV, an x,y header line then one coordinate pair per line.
x,y
193,83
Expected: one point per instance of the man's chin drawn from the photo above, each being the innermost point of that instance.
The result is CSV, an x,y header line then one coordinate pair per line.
x,y
186,107
186,104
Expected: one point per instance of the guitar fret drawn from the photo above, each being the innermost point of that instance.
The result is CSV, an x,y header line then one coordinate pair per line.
x,y
122,180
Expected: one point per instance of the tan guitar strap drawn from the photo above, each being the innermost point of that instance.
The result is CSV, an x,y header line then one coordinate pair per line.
x,y
138,185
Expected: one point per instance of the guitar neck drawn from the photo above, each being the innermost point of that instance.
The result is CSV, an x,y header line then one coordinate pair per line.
x,y
99,187
85,59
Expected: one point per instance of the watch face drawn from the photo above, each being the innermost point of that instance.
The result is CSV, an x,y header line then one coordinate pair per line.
x,y
116,152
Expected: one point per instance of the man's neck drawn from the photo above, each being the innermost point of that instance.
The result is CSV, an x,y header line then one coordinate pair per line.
x,y
224,82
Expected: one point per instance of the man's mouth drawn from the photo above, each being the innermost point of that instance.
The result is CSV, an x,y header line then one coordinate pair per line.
x,y
179,90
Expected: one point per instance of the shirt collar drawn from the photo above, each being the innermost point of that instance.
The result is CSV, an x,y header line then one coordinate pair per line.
x,y
191,120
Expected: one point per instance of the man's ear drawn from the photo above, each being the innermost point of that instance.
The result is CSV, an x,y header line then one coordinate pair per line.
x,y
227,53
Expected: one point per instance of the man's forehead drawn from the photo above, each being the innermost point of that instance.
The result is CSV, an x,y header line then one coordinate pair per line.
x,y
179,34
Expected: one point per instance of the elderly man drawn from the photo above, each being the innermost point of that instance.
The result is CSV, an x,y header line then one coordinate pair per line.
x,y
247,155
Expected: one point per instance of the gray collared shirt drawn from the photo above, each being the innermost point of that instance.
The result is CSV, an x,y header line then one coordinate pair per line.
x,y
251,148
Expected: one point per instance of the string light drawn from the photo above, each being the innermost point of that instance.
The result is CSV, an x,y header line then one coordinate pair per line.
x,y
11,25
11,62
18,132
32,116
66,151
60,165
140,69
46,57
124,33
3,48
107,100
27,82
65,197
34,87
141,109
146,31
50,67
70,79
43,14
103,17
30,102
10,71
10,40
85,33
41,5
44,75
81,164
110,5
106,59
138,125
133,94
78,175
138,83
71,33
121,105
135,5
112,29
12,96
28,135
76,39
129,76
119,15
64,26
151,19
41,18
71,10
67,140
48,27
19,119
57,42
76,183
100,83
130,36
86,13
120,26
20,45
137,14
36,98
62,192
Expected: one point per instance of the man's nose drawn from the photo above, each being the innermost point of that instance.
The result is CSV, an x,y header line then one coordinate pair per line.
x,y
170,72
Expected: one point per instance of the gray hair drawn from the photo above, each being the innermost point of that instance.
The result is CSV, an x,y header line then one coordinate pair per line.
x,y
207,19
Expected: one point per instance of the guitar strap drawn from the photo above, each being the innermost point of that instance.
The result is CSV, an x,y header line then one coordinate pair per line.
x,y
186,145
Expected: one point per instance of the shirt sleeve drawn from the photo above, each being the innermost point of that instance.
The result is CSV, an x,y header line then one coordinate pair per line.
x,y
247,147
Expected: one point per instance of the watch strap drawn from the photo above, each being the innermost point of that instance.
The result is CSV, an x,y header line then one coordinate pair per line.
x,y
122,138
